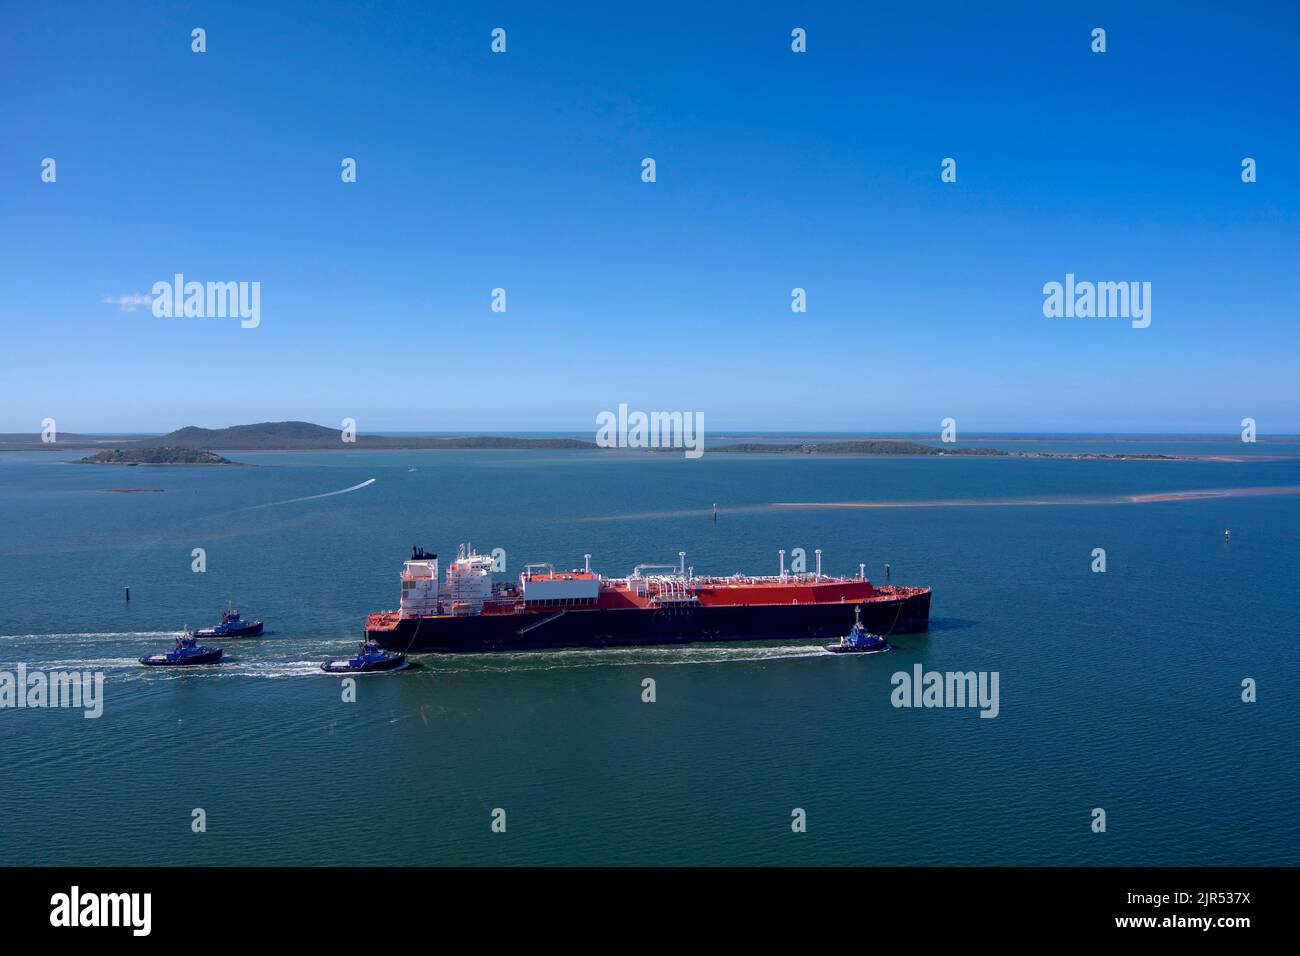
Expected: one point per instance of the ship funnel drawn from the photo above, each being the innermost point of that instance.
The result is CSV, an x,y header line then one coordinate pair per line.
x,y
782,553
681,565
818,552
862,572
586,563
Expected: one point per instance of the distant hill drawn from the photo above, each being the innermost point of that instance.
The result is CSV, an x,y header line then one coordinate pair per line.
x,y
293,436
155,456
305,436
263,434
290,436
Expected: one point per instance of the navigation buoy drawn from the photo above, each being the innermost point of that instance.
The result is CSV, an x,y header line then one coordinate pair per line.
x,y
127,593
1227,535
715,512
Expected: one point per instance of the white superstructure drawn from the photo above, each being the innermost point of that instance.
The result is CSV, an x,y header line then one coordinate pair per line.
x,y
469,582
563,587
420,585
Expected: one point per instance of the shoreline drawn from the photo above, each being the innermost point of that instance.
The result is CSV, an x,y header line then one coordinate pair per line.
x,y
163,464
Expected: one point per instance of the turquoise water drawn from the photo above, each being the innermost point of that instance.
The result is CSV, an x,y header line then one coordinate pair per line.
x,y
1118,690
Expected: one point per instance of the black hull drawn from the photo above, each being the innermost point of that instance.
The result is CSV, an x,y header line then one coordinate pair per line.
x,y
248,630
637,627
374,667
196,660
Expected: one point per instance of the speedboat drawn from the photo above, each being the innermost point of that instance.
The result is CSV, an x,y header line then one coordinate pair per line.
x,y
859,640
369,659
232,625
187,653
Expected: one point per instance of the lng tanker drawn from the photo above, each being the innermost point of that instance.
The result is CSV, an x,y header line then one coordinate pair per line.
x,y
654,604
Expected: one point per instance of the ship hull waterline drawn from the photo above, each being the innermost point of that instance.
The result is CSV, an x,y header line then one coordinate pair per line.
x,y
642,627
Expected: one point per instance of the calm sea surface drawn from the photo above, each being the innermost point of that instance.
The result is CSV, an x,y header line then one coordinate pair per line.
x,y
1119,690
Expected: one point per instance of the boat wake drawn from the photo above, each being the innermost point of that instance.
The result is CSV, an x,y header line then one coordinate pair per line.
x,y
230,667
512,661
328,494
120,652
92,637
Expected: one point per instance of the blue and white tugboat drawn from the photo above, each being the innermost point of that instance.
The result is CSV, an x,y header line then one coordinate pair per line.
x,y
859,640
187,653
370,658
232,625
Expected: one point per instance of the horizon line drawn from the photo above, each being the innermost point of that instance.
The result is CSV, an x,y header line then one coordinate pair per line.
x,y
716,433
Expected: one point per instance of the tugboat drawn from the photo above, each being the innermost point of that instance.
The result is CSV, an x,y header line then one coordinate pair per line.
x,y
232,625
186,654
369,659
859,640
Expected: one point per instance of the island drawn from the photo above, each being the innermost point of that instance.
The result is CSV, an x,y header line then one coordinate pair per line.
x,y
305,436
156,456
175,447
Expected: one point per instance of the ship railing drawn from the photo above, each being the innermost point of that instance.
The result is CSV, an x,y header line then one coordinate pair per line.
x,y
674,599
672,590
641,585
802,578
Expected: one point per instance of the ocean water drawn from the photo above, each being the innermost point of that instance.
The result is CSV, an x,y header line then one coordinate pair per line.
x,y
1120,690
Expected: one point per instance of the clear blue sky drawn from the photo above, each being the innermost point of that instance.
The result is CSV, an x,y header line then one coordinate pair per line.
x,y
775,170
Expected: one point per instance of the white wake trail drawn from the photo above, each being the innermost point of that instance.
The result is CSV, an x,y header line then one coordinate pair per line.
x,y
328,494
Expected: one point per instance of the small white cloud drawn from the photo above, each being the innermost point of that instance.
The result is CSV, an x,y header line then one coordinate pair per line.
x,y
129,303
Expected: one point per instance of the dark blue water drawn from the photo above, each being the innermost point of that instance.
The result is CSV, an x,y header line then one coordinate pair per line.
x,y
1118,690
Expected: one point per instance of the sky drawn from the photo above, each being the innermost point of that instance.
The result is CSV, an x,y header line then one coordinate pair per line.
x,y
775,170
